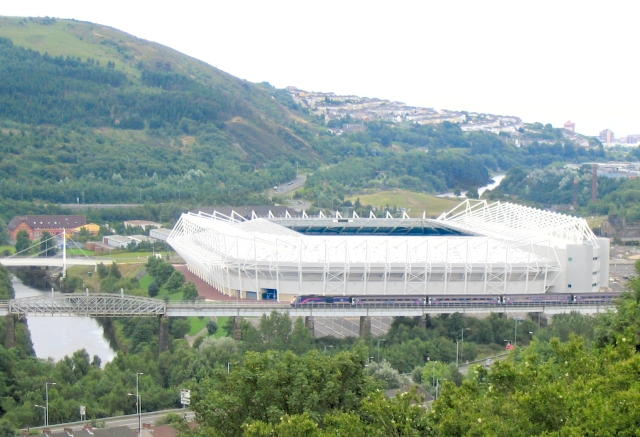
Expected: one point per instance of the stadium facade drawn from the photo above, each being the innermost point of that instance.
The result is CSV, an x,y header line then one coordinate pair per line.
x,y
477,248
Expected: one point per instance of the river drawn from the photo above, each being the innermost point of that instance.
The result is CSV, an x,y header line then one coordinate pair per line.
x,y
490,186
55,337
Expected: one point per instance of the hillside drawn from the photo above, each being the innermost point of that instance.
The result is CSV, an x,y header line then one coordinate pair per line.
x,y
83,104
89,114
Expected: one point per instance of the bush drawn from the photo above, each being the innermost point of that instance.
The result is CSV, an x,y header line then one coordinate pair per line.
x,y
212,327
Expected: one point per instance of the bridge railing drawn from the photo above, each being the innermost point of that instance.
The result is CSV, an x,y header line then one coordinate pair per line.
x,y
279,305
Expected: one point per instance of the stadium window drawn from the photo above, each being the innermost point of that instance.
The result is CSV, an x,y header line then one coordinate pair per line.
x,y
595,284
570,259
595,258
568,285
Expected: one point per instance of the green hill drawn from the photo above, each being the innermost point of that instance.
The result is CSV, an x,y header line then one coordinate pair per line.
x,y
91,114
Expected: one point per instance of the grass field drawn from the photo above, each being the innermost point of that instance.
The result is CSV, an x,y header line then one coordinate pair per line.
x,y
415,203
221,321
145,281
126,256
197,324
80,252
9,248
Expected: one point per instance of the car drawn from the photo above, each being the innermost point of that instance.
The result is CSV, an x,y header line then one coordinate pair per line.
x,y
290,183
275,188
488,363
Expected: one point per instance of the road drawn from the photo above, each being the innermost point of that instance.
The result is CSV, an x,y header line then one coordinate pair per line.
x,y
464,369
290,186
130,420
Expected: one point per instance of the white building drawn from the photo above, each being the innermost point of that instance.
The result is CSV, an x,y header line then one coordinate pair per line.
x,y
477,248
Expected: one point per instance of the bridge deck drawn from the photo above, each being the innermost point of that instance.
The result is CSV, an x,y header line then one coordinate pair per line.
x,y
114,305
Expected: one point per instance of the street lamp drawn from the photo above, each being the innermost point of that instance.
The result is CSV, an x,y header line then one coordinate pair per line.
x,y
515,330
462,344
46,394
433,376
379,340
44,413
138,408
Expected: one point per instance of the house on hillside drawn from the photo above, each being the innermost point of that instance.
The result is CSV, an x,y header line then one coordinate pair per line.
x,y
36,225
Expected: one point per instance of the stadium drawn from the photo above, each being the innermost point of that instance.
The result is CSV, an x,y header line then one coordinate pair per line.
x,y
478,248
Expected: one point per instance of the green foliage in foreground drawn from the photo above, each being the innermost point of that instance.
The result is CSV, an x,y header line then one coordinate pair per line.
x,y
276,393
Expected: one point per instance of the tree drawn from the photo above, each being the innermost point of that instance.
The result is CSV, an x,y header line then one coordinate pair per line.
x,y
175,281
472,193
4,235
189,291
163,272
269,386
22,240
114,271
103,271
71,283
6,430
387,375
153,289
179,327
47,245
212,327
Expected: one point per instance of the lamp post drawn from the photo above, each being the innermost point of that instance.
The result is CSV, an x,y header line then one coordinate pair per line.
x,y
433,376
44,413
515,330
457,353
462,344
138,408
46,394
379,340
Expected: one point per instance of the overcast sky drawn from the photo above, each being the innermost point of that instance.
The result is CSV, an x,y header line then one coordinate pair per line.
x,y
547,61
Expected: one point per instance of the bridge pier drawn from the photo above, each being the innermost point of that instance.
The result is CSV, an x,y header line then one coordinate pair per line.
x,y
309,323
10,334
421,321
163,337
365,326
237,328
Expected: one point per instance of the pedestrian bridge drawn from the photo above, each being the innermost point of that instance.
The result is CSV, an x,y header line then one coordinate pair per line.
x,y
119,305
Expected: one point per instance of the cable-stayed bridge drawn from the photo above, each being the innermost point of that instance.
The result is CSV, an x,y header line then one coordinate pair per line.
x,y
25,258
